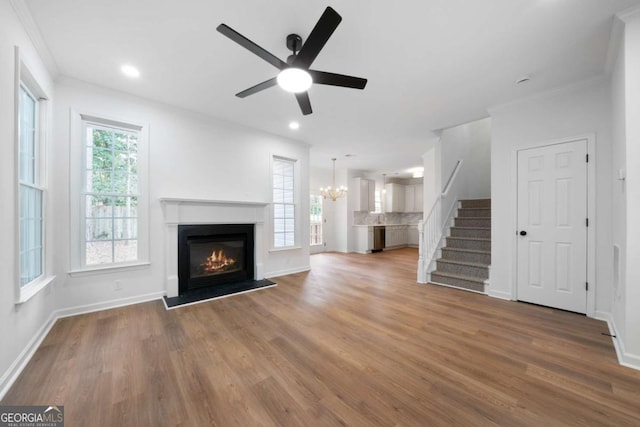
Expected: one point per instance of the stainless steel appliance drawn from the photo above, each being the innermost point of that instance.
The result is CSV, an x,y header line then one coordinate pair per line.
x,y
378,238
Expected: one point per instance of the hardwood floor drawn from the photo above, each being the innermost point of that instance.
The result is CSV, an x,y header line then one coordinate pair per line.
x,y
353,342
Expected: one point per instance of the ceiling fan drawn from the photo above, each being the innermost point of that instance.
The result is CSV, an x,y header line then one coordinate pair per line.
x,y
295,75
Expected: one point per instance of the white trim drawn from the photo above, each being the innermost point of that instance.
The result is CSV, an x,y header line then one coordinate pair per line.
x,y
500,295
286,248
32,30
215,298
110,268
625,359
548,94
591,214
627,14
15,369
287,272
432,282
24,79
76,188
30,290
615,38
107,305
200,211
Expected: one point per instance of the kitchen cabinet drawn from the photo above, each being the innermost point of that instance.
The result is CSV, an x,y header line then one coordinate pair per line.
x,y
394,197
365,196
396,235
413,198
413,237
364,239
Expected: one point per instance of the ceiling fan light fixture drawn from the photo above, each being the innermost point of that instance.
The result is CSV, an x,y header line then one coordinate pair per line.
x,y
294,80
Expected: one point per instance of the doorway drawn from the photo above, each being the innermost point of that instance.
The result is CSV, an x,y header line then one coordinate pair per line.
x,y
316,224
552,225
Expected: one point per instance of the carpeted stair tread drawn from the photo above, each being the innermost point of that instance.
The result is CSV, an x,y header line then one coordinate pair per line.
x,y
458,276
469,238
477,251
473,217
471,228
468,263
466,257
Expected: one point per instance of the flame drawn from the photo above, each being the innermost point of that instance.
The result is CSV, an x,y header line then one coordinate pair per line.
x,y
217,261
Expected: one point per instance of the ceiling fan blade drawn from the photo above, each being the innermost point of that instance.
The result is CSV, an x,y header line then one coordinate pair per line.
x,y
248,44
325,26
257,88
303,101
324,78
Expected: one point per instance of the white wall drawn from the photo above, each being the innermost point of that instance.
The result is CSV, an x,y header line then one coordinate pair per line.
x,y
626,99
191,156
19,324
471,143
566,113
618,187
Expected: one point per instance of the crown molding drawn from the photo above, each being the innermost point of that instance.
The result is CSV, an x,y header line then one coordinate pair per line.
x,y
32,30
615,39
628,14
552,93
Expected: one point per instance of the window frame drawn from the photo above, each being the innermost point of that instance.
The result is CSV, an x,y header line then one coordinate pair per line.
x,y
311,223
295,204
79,122
25,80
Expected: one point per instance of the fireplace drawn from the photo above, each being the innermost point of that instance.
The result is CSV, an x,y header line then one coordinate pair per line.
x,y
214,255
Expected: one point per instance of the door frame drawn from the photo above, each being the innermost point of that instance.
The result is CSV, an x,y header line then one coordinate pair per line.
x,y
591,213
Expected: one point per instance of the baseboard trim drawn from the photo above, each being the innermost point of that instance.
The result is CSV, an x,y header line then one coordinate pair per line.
x,y
625,359
287,272
18,365
500,295
121,302
455,287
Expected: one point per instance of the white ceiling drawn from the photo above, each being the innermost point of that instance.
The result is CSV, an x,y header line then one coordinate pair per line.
x,y
431,64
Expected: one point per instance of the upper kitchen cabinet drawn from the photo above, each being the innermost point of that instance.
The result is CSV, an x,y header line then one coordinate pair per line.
x,y
394,197
413,198
365,195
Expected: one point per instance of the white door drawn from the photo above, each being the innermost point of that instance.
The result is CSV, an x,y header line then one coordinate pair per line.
x,y
552,226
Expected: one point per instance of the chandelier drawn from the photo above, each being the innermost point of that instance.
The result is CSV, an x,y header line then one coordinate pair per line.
x,y
333,192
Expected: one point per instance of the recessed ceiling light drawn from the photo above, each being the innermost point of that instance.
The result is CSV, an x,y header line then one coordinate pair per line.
x,y
350,155
294,125
130,71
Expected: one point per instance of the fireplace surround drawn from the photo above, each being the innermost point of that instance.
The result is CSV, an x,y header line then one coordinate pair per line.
x,y
184,211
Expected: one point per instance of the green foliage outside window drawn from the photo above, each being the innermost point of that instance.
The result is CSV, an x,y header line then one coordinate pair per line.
x,y
112,167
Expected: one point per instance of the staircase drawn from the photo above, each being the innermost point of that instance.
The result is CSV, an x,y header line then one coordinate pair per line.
x,y
466,256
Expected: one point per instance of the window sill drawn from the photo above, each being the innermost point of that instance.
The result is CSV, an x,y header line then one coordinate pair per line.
x,y
29,291
90,271
288,248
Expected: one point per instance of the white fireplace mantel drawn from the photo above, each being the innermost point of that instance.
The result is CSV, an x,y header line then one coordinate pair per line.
x,y
182,211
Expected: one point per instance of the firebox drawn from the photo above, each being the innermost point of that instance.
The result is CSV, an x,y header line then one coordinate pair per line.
x,y
214,254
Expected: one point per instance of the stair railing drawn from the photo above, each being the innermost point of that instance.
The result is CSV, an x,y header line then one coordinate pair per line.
x,y
432,229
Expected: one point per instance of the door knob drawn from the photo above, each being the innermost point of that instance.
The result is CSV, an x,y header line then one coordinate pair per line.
x,y
523,233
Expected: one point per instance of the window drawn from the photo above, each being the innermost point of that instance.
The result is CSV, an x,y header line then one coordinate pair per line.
x,y
378,202
31,190
110,194
315,220
283,203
